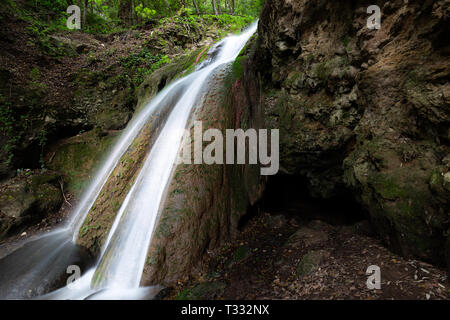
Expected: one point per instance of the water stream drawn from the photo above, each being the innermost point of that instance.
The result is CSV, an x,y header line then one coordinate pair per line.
x,y
118,271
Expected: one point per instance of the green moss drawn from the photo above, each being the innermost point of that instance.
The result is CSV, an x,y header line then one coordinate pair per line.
x,y
38,180
35,74
346,41
201,291
241,253
78,158
387,186
306,266
311,261
322,70
293,79
238,68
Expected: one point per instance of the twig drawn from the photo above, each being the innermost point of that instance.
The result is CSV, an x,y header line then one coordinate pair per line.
x,y
62,191
51,157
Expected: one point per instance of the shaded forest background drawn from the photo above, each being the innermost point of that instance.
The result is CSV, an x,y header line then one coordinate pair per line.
x,y
103,16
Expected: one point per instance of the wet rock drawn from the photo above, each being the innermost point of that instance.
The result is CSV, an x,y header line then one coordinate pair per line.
x,y
311,262
39,266
27,199
76,157
206,202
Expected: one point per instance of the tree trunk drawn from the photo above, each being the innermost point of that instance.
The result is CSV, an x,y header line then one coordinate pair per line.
x,y
132,13
125,12
196,7
213,2
168,6
218,6
85,5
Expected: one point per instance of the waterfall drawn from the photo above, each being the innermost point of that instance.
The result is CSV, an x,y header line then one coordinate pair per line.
x,y
118,272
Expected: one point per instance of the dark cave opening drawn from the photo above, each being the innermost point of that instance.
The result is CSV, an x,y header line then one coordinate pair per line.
x,y
288,195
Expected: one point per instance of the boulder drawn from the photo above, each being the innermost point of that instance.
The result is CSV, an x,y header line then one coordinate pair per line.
x,y
311,261
26,199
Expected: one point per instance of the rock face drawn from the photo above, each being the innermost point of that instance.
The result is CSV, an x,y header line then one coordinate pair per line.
x,y
366,110
26,199
204,203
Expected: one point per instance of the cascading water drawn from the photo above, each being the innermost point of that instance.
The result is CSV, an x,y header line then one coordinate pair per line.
x,y
118,272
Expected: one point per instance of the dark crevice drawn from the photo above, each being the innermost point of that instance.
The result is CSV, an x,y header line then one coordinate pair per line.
x,y
288,195
162,83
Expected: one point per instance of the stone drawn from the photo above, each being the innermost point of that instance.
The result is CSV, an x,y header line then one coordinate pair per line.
x,y
276,221
384,145
202,291
311,261
308,237
27,199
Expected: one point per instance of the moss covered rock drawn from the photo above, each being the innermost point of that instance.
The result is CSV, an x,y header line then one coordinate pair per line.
x,y
311,261
364,110
76,158
26,199
204,203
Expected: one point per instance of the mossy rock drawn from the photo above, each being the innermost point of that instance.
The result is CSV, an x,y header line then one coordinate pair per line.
x,y
77,158
311,262
203,291
26,200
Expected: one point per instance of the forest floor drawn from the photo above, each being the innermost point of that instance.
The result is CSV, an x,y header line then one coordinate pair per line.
x,y
282,256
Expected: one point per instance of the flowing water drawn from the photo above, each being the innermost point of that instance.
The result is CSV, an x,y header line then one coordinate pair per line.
x,y
118,271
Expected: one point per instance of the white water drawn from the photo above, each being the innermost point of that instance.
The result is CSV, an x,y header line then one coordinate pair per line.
x,y
118,272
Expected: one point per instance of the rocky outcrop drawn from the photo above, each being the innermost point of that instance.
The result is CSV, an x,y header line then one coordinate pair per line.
x,y
95,228
365,110
26,199
204,203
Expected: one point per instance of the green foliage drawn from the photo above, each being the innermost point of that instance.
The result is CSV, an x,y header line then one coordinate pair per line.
x,y
238,68
102,16
234,23
35,74
142,63
49,5
7,128
144,13
100,24
241,253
